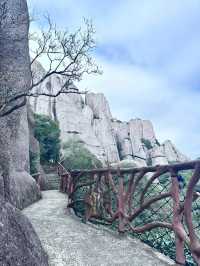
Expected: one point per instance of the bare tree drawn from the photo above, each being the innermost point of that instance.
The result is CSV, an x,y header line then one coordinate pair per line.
x,y
66,54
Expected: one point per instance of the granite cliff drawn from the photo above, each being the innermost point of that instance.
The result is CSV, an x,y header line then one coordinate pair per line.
x,y
19,244
88,118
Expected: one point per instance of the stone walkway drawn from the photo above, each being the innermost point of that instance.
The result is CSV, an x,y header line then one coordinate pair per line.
x,y
69,242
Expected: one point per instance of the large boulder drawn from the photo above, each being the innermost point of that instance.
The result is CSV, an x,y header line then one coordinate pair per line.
x,y
19,244
20,188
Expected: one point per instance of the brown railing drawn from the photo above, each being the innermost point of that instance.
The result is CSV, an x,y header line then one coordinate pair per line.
x,y
160,204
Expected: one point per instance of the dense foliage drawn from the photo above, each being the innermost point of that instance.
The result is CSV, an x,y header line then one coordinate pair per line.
x,y
47,132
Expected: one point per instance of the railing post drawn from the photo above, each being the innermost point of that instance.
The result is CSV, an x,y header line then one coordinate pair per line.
x,y
121,207
194,241
104,192
177,219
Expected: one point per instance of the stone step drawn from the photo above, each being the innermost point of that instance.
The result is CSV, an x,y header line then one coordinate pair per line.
x,y
53,186
53,175
53,181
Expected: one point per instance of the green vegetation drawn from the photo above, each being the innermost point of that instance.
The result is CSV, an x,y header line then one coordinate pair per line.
x,y
157,142
76,156
149,161
161,239
34,162
47,132
147,143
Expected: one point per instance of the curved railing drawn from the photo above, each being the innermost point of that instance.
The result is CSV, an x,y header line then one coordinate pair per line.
x,y
154,203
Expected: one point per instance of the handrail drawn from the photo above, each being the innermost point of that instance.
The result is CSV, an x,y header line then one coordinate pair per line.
x,y
176,166
123,196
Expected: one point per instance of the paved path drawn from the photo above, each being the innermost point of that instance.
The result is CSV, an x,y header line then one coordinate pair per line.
x,y
69,242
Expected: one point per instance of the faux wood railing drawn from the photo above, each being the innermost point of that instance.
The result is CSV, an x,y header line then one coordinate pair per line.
x,y
145,201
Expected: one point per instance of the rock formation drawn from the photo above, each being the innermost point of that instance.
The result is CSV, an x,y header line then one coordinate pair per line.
x,y
90,120
19,244
19,187
34,151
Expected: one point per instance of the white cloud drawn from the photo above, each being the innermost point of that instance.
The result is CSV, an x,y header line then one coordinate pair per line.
x,y
149,51
134,92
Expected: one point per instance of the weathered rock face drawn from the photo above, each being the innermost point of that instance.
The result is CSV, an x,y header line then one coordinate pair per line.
x,y
137,141
102,125
78,124
34,150
157,156
90,120
19,187
172,153
19,244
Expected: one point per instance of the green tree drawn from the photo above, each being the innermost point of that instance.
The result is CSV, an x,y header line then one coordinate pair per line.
x,y
47,132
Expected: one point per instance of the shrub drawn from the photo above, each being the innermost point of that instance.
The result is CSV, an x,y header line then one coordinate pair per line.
x,y
47,132
147,143
34,162
76,156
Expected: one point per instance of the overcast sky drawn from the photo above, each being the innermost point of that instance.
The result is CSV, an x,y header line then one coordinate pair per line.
x,y
149,51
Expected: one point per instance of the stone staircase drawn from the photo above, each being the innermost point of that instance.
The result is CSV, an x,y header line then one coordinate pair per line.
x,y
52,178
53,181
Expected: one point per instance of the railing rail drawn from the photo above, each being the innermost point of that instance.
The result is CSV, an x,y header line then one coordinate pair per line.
x,y
140,200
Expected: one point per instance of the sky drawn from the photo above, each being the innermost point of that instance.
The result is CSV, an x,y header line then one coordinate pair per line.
x,y
149,51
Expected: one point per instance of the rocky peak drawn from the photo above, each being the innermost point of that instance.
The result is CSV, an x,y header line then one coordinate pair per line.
x,y
111,140
99,105
172,153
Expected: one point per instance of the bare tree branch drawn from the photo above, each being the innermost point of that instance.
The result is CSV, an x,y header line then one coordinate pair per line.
x,y
68,55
